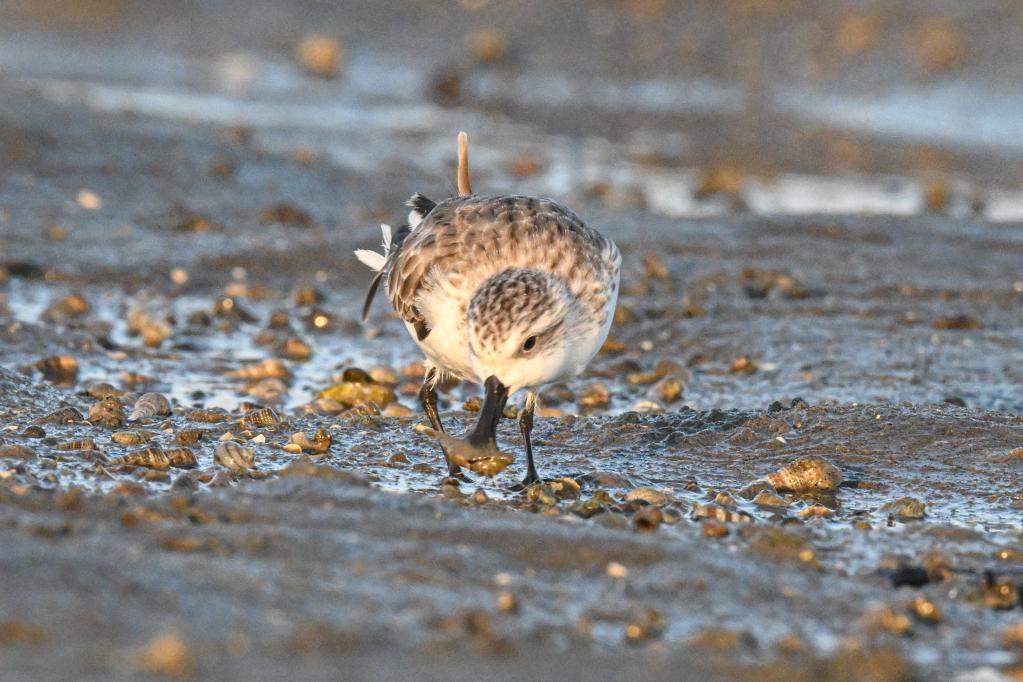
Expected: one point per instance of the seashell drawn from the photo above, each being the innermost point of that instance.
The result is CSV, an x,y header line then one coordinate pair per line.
x,y
395,410
296,349
806,474
70,306
278,320
108,412
260,418
234,457
647,407
905,508
384,375
153,330
81,444
669,389
307,295
65,415
542,493
16,451
189,436
152,457
356,375
713,511
647,520
350,394
33,431
649,495
211,415
318,445
131,437
814,511
766,498
271,368
587,508
595,395
327,406
61,369
101,389
181,458
150,405
268,390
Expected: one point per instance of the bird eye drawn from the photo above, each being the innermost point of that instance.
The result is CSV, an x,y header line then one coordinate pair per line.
x,y
529,344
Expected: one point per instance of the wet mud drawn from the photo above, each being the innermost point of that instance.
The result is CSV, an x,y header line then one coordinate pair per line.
x,y
799,455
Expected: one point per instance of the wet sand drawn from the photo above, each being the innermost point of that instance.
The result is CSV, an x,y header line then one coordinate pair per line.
x,y
171,223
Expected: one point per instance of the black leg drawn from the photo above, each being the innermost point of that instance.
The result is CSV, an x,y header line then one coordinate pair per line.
x,y
526,428
428,397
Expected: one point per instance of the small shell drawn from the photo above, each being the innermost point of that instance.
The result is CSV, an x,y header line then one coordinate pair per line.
x,y
150,405
59,368
65,415
212,415
806,474
318,445
649,495
233,456
108,412
266,369
296,349
17,451
153,458
350,394
131,437
82,444
181,458
189,436
647,520
267,390
905,508
712,511
101,389
261,418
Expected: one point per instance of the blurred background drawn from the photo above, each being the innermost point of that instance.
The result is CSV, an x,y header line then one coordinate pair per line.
x,y
678,108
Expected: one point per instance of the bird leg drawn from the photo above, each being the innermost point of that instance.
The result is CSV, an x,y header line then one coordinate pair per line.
x,y
526,428
428,397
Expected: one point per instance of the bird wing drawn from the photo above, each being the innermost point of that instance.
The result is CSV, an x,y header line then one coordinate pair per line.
x,y
465,234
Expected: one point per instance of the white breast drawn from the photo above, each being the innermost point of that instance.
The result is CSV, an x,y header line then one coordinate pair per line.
x,y
447,344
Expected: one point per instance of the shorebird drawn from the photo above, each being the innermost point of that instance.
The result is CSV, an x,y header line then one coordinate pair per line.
x,y
511,292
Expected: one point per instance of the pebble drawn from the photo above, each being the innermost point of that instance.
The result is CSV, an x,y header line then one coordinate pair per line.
x,y
806,474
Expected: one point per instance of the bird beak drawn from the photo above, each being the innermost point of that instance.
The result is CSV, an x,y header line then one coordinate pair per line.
x,y
485,432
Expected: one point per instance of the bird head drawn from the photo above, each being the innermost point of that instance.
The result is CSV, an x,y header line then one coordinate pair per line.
x,y
520,323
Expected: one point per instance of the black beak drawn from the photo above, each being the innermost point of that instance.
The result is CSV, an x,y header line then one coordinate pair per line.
x,y
485,432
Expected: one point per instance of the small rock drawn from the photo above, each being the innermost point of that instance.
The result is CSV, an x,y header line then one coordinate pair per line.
x,y
905,508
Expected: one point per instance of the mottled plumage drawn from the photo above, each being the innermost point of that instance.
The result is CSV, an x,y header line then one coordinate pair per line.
x,y
512,287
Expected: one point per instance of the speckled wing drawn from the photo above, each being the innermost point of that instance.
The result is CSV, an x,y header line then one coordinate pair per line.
x,y
464,238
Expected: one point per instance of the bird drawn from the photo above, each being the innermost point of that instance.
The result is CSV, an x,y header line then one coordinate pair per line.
x,y
508,291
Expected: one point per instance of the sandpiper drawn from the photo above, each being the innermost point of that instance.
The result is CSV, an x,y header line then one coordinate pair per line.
x,y
512,292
